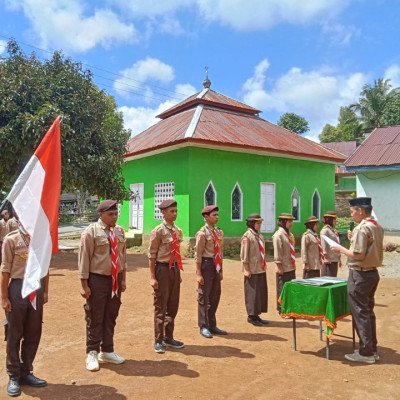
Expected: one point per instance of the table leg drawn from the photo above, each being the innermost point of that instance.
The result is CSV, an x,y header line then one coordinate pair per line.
x,y
320,329
294,333
327,348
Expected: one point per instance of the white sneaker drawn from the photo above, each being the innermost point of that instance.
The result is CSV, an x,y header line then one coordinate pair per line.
x,y
376,355
92,362
112,358
357,357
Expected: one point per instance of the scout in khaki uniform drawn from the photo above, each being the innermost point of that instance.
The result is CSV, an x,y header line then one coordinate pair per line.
x,y
332,260
364,257
165,263
102,271
24,322
284,253
208,258
312,254
252,255
7,225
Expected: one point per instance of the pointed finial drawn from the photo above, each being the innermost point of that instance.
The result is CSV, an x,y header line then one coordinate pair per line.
x,y
206,82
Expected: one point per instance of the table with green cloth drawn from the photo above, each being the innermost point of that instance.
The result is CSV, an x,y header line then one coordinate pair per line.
x,y
327,303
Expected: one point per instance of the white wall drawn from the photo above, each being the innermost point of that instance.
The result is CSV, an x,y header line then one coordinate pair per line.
x,y
384,188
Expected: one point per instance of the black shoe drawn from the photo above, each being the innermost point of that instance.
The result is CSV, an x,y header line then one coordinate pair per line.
x,y
254,321
263,321
13,388
31,380
175,344
206,333
217,331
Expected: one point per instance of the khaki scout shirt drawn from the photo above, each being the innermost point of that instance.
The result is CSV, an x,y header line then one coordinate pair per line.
x,y
204,246
282,249
367,239
161,242
7,226
15,255
250,252
95,251
328,231
310,255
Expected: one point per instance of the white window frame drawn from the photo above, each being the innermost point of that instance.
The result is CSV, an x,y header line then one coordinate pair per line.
x,y
165,194
299,206
205,191
319,203
241,202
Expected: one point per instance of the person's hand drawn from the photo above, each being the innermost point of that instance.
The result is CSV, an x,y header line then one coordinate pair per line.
x,y
306,267
200,279
154,283
6,304
349,234
45,297
221,275
123,286
247,274
279,270
335,249
86,292
327,261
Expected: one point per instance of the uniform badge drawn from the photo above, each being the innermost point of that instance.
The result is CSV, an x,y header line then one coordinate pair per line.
x,y
245,240
153,234
83,239
20,244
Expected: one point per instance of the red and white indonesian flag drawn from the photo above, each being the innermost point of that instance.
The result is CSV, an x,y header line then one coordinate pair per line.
x,y
35,197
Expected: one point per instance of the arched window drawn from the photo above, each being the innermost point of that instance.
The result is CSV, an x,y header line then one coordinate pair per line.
x,y
210,195
237,203
316,204
296,205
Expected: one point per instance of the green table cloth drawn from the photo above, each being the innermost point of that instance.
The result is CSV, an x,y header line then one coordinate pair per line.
x,y
328,303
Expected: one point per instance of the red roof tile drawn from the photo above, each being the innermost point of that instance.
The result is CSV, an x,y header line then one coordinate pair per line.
x,y
346,148
381,148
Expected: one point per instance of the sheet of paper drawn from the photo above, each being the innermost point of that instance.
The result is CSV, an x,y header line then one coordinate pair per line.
x,y
331,242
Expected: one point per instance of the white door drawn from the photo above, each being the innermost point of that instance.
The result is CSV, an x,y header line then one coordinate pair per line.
x,y
268,207
136,206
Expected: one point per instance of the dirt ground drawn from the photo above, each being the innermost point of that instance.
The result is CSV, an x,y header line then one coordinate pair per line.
x,y
250,363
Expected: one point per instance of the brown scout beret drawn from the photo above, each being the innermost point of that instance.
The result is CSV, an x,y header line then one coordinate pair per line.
x,y
107,205
167,203
311,219
331,214
254,217
360,201
286,216
209,210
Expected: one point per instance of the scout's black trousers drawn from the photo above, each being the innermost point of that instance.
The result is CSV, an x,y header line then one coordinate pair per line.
x,y
361,287
24,330
166,301
329,269
208,294
280,281
101,312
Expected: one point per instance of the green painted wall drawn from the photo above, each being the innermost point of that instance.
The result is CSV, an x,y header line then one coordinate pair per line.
x,y
347,183
192,169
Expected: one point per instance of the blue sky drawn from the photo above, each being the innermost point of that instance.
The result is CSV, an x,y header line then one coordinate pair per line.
x,y
307,57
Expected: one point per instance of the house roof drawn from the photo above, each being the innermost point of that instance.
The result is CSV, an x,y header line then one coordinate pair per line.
x,y
345,148
210,119
380,149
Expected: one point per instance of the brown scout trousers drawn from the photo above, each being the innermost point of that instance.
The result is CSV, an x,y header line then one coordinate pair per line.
x,y
101,312
280,281
166,301
208,294
23,331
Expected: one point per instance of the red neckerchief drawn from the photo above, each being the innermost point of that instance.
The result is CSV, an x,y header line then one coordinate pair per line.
x,y
261,246
372,221
292,250
175,251
321,251
217,251
114,262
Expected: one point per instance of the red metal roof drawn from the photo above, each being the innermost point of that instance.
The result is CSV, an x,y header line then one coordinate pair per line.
x,y
346,148
223,122
381,148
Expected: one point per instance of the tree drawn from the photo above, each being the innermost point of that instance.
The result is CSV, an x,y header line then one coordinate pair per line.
x,y
349,127
93,140
374,101
329,134
392,112
294,123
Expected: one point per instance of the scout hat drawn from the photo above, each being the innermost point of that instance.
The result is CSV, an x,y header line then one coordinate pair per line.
x,y
360,201
286,216
331,214
311,219
254,217
107,205
209,210
167,203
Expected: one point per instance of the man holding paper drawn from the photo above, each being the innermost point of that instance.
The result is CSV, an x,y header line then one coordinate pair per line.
x,y
364,257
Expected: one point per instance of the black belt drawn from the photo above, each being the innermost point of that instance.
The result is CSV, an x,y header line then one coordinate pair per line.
x,y
161,264
208,259
362,269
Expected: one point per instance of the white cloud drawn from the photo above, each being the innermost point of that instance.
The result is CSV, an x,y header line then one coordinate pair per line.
x,y
316,95
3,46
340,35
393,73
64,24
134,78
140,118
